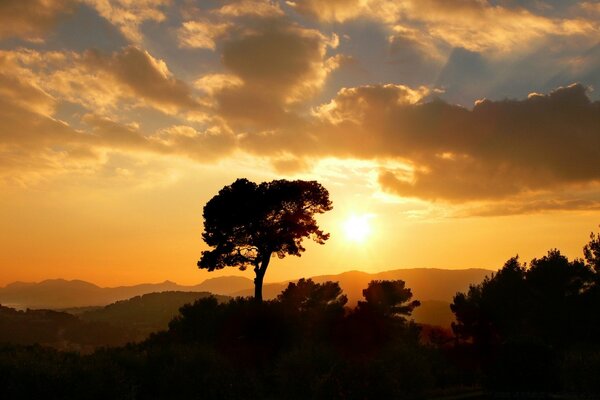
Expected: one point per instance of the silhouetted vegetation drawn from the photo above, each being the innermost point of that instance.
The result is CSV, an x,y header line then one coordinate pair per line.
x,y
145,314
531,325
530,329
59,330
247,223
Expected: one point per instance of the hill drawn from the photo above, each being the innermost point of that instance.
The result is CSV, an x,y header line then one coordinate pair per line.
x,y
64,294
145,314
116,324
425,283
434,287
59,330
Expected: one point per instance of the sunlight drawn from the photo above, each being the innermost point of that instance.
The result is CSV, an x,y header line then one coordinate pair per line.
x,y
357,228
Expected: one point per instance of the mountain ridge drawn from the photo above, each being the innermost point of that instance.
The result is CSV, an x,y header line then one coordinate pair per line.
x,y
79,293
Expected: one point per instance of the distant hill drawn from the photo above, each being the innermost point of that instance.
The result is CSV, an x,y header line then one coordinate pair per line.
x,y
63,294
113,325
434,312
225,285
434,287
60,330
425,283
145,314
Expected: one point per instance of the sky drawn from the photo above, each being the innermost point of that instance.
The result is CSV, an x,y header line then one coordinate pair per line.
x,y
460,132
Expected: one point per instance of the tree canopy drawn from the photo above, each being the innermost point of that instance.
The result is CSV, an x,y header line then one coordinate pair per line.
x,y
551,298
306,295
390,298
247,223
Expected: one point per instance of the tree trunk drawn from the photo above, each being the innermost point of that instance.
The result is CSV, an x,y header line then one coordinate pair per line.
x,y
260,270
258,283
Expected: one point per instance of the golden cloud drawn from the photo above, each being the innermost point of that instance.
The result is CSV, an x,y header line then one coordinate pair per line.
x,y
104,82
145,77
201,35
128,15
475,25
278,64
497,150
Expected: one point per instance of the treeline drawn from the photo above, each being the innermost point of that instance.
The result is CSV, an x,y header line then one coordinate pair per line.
x,y
536,327
304,344
530,329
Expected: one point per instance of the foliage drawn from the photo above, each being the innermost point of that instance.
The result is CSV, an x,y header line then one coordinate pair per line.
x,y
145,314
246,224
390,298
591,252
59,330
306,295
527,322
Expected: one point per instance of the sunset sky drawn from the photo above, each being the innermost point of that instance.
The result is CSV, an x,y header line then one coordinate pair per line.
x,y
455,133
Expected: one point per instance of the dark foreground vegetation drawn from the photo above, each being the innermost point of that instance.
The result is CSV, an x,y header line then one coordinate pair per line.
x,y
529,331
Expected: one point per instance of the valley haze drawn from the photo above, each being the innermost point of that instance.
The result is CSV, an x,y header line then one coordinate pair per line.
x,y
434,287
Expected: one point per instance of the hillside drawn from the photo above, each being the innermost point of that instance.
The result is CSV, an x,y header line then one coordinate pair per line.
x,y
58,329
433,287
62,294
425,283
145,314
116,324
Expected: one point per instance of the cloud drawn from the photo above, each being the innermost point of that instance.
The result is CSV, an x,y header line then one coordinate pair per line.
x,y
103,82
201,35
145,77
330,11
256,8
129,15
35,144
498,150
278,65
32,19
529,206
18,84
471,24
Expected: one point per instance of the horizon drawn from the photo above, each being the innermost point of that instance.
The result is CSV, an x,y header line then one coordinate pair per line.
x,y
241,276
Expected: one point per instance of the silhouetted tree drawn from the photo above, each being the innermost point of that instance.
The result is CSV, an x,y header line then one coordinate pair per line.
x,y
307,295
314,308
494,307
591,252
247,223
545,299
524,320
390,298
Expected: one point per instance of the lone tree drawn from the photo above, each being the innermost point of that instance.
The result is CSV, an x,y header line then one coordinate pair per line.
x,y
246,223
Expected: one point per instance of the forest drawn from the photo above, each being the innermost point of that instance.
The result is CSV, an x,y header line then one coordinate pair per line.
x,y
530,329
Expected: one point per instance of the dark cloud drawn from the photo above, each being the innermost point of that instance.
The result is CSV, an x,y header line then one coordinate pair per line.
x,y
531,207
279,64
31,19
147,77
497,150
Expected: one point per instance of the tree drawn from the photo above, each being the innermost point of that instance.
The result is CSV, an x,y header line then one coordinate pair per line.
x,y
306,295
591,252
247,223
390,298
549,300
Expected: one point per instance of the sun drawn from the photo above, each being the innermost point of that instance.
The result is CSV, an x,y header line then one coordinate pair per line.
x,y
357,228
